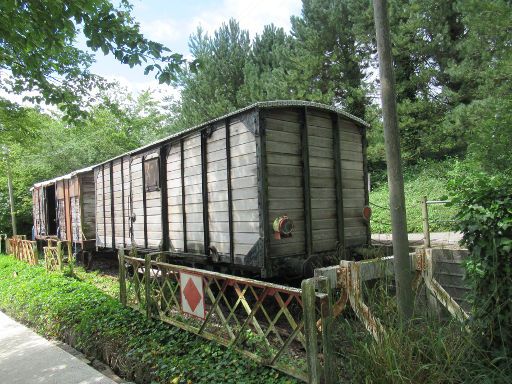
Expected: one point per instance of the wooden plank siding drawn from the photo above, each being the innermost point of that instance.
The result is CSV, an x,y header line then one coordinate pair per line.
x,y
218,204
353,179
137,208
107,205
100,228
118,185
244,192
87,196
285,178
323,181
75,209
193,188
222,185
61,195
244,189
174,198
37,212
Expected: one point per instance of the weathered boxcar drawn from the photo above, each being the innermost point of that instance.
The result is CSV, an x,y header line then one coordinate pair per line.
x,y
64,208
270,188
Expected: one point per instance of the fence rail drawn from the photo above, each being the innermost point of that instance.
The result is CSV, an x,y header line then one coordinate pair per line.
x,y
273,324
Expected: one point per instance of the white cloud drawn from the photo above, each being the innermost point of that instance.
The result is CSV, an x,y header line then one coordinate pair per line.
x,y
159,91
251,15
166,31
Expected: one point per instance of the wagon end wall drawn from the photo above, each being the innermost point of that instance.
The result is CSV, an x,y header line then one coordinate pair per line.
x,y
315,176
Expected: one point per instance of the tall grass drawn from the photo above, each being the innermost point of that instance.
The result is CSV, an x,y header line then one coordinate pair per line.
x,y
425,350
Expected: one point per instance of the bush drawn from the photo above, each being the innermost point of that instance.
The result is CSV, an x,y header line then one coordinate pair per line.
x,y
484,204
139,349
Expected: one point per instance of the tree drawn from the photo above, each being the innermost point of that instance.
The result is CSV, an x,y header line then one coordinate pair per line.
x,y
37,48
486,60
213,88
42,146
269,67
331,62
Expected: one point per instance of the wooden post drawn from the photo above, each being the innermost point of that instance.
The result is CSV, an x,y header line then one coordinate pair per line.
x,y
11,195
35,253
122,275
403,276
324,285
426,229
147,283
71,261
310,330
59,255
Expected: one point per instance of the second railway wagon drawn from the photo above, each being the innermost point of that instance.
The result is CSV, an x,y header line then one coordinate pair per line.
x,y
269,189
63,209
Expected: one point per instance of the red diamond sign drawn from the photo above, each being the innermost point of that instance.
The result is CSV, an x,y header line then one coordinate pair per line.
x,y
192,294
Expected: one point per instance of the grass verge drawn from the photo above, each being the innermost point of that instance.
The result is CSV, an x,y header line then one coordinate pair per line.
x,y
78,312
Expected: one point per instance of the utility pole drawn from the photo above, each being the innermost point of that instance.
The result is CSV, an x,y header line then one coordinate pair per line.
x,y
9,186
403,276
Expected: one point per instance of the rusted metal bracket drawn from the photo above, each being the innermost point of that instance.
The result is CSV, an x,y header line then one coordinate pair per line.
x,y
349,276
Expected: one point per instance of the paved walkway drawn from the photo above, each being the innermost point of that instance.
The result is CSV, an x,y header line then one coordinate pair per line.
x,y
27,358
437,239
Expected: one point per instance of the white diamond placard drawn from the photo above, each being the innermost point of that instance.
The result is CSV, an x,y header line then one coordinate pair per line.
x,y
192,294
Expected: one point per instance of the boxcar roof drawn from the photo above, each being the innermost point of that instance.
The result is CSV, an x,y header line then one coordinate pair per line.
x,y
63,177
261,104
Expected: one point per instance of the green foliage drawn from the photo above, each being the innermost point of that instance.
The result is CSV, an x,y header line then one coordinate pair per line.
x,y
484,216
42,146
330,61
425,179
37,46
211,90
451,62
143,350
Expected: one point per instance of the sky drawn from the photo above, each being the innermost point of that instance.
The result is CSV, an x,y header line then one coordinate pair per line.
x,y
171,22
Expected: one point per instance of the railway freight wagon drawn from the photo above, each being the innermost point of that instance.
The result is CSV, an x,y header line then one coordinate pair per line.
x,y
271,189
63,208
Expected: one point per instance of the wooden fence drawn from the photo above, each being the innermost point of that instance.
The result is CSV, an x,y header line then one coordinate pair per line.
x,y
279,326
23,249
57,253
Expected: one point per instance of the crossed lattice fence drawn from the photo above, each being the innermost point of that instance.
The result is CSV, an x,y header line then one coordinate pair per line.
x,y
23,249
56,254
273,324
